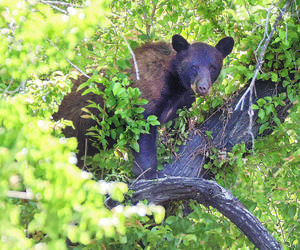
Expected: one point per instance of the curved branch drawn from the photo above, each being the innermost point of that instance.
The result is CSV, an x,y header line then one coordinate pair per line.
x,y
208,193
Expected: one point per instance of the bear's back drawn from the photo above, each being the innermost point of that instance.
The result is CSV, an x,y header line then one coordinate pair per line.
x,y
153,62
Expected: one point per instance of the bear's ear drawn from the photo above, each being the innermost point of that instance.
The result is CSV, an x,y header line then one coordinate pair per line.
x,y
225,46
179,43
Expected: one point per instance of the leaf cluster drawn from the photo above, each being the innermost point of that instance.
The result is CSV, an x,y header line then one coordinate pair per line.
x,y
121,118
59,206
39,45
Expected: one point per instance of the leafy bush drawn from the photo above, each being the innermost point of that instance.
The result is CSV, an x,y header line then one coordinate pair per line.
x,y
64,202
46,200
122,116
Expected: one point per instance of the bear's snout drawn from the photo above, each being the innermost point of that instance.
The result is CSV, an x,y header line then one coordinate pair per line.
x,y
201,84
203,90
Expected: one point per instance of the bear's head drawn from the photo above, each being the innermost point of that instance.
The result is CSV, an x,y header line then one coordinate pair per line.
x,y
198,65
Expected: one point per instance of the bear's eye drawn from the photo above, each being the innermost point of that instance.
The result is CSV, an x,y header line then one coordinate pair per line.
x,y
194,68
212,69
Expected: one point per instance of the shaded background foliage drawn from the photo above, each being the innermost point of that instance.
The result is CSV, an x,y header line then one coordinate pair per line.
x,y
41,43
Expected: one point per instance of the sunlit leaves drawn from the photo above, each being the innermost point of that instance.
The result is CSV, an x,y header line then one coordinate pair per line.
x,y
267,112
67,202
36,39
122,117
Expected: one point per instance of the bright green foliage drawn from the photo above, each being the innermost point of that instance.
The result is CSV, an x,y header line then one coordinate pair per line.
x,y
37,46
121,118
267,111
33,41
119,124
172,135
63,196
65,202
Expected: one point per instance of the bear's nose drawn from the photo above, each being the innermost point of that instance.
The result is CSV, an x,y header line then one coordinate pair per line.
x,y
203,90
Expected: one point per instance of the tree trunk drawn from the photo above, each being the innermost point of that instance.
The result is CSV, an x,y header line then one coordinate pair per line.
x,y
229,127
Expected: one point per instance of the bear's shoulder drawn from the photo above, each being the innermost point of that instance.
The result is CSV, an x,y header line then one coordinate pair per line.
x,y
152,61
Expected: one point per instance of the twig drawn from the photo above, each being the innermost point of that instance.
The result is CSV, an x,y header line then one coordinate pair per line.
x,y
54,3
287,236
148,26
296,8
61,3
85,152
145,18
76,67
260,59
12,24
58,9
131,51
28,195
247,8
7,91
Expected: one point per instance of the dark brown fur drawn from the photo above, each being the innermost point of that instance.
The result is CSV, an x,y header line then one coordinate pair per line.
x,y
152,60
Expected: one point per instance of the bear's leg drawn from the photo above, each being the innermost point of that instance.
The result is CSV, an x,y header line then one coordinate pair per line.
x,y
145,164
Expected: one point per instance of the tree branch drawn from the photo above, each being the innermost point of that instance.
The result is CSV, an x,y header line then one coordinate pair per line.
x,y
207,193
61,4
11,92
72,64
267,38
229,126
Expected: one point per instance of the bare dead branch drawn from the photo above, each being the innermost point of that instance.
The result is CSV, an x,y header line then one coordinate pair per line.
x,y
267,38
28,195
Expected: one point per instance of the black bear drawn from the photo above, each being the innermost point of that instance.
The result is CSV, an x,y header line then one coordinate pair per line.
x,y
169,80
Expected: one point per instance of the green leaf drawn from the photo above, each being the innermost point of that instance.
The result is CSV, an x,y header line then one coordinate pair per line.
x,y
263,127
139,110
274,77
116,88
277,120
216,102
292,209
136,147
261,102
269,108
152,119
142,102
261,114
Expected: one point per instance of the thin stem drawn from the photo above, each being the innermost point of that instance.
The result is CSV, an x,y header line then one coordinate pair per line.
x,y
129,48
